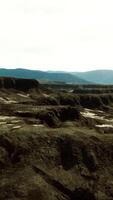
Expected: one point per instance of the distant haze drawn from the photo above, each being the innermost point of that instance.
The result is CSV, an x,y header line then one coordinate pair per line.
x,y
66,35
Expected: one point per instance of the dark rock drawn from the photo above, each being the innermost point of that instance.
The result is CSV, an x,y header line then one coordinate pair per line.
x,y
18,84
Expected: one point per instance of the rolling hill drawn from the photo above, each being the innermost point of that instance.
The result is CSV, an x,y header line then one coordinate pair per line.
x,y
40,75
96,76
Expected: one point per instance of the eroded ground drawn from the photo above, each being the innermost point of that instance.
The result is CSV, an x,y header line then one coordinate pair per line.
x,y
55,148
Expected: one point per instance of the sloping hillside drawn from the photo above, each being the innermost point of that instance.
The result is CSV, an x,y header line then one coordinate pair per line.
x,y
40,75
97,76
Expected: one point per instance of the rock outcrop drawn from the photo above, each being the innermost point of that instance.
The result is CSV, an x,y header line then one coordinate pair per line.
x,y
18,84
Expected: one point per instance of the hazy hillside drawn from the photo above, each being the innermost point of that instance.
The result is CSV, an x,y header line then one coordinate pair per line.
x,y
40,75
97,76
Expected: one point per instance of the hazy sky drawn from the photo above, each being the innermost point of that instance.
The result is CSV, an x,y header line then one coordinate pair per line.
x,y
71,35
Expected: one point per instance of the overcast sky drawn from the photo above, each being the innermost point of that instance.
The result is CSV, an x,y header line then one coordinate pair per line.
x,y
70,35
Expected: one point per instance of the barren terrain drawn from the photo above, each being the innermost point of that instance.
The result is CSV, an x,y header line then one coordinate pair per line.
x,y
55,144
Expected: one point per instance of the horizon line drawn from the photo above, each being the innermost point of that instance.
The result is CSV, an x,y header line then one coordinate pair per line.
x,y
49,70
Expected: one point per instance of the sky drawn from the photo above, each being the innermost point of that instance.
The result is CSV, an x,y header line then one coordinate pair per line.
x,y
66,35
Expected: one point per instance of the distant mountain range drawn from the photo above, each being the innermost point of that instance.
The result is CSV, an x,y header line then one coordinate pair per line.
x,y
90,77
45,76
96,76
